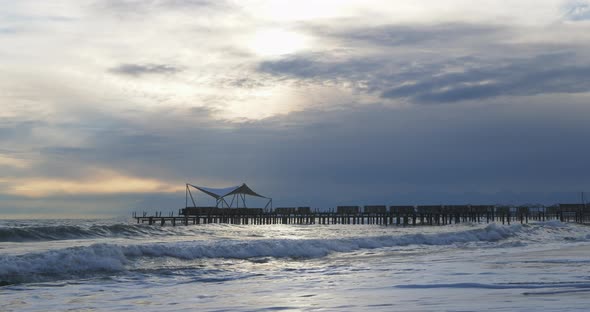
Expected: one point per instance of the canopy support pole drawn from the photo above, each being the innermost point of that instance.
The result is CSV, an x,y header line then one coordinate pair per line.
x,y
232,201
191,195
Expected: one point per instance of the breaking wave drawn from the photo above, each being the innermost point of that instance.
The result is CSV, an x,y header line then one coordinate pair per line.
x,y
64,232
111,258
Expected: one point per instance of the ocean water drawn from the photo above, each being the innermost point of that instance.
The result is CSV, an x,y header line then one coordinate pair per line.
x,y
110,265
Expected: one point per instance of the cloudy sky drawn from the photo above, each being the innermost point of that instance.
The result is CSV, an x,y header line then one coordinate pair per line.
x,y
112,106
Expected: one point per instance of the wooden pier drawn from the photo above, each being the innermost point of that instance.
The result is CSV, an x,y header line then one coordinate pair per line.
x,y
373,214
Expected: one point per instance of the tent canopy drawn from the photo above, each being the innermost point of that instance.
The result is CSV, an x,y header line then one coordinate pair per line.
x,y
219,193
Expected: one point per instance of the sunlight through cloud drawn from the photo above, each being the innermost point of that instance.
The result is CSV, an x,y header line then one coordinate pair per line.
x,y
276,42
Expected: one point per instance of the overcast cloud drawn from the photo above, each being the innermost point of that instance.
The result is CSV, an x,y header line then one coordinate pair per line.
x,y
111,106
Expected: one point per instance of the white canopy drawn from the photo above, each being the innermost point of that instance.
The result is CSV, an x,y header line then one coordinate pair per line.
x,y
219,193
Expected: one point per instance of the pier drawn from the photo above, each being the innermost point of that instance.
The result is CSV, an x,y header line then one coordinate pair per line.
x,y
227,210
372,214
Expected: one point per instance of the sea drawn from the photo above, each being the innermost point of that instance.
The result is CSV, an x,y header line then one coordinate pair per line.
x,y
117,265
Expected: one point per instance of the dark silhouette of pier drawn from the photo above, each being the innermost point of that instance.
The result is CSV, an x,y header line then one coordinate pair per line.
x,y
373,214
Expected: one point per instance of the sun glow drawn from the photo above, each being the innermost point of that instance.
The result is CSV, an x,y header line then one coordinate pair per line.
x,y
277,42
13,162
108,182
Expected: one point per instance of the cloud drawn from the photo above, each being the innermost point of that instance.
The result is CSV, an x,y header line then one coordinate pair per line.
x,y
137,70
102,182
322,66
577,11
344,118
355,154
320,158
543,74
8,30
410,34
134,5
140,8
13,162
406,67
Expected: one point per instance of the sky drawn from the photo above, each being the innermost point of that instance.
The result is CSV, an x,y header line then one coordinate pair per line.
x,y
111,106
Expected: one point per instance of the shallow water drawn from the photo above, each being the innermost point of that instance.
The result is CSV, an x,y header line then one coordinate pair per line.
x,y
108,265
